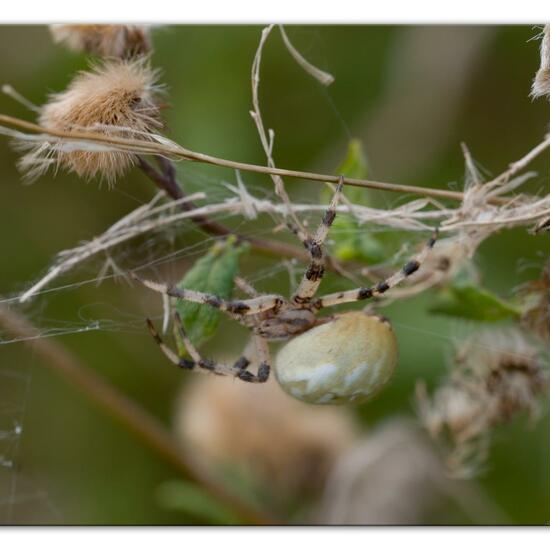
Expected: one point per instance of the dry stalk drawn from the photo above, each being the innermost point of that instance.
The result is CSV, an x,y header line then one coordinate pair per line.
x,y
267,142
267,138
79,139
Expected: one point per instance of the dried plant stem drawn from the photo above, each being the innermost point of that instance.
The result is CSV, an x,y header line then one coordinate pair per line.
x,y
170,149
134,418
520,164
267,141
326,79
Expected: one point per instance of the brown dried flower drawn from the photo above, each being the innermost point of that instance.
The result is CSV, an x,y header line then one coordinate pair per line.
x,y
286,445
497,375
104,40
116,98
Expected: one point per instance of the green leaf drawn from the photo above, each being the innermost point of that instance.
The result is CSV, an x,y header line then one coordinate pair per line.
x,y
214,273
190,499
354,164
351,240
469,301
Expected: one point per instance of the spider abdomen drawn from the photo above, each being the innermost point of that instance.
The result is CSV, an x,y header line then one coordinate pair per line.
x,y
345,360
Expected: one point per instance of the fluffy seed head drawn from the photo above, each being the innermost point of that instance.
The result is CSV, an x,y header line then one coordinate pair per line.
x,y
541,83
104,40
116,98
497,375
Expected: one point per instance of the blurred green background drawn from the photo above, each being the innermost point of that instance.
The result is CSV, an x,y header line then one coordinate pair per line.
x,y
412,94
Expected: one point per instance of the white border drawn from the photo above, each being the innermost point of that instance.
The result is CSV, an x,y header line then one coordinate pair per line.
x,y
275,538
288,11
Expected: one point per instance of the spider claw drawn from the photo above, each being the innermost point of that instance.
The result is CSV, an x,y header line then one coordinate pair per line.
x,y
242,363
263,372
245,376
187,364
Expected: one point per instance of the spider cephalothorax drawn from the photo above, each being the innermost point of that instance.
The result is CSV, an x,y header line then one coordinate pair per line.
x,y
333,359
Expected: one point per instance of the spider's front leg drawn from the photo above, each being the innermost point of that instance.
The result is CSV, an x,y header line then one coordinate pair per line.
x,y
237,370
251,306
314,273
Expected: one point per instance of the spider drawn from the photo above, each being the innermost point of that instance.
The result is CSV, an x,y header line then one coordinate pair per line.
x,y
333,359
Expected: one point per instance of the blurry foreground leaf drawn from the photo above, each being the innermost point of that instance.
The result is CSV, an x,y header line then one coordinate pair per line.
x,y
469,301
190,499
214,273
351,240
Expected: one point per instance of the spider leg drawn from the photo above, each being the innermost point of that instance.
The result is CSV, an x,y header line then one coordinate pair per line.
x,y
312,277
171,355
239,368
363,293
262,350
239,307
249,321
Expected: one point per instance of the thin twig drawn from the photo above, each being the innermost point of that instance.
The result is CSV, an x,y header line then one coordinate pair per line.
x,y
326,79
147,428
268,141
167,148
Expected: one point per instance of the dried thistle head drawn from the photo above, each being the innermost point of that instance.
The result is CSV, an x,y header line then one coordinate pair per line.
x,y
392,476
536,304
497,374
287,446
104,40
541,83
116,98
